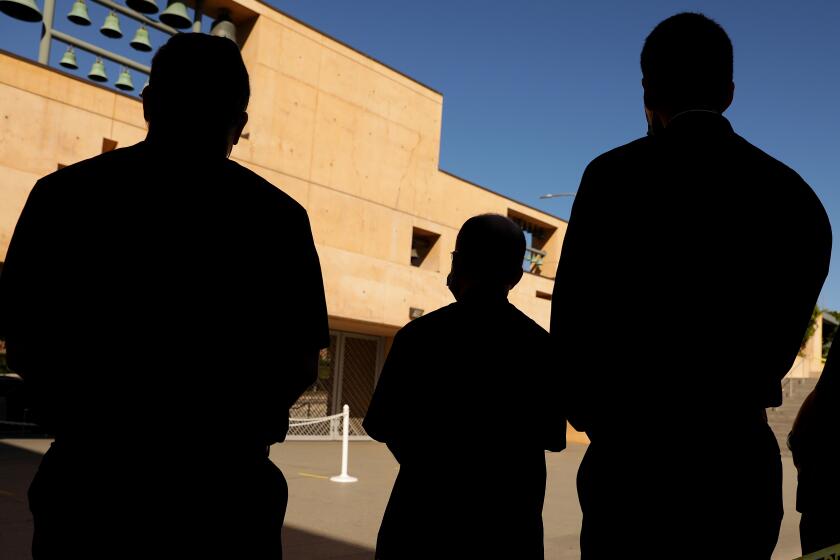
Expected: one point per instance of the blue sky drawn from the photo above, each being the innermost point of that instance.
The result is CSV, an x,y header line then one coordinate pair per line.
x,y
533,90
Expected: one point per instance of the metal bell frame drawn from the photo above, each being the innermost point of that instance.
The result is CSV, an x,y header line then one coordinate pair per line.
x,y
176,16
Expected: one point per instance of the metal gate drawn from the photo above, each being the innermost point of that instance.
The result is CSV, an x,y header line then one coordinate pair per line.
x,y
347,374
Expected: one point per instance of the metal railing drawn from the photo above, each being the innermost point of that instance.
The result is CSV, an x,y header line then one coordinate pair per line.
x,y
534,257
345,437
26,430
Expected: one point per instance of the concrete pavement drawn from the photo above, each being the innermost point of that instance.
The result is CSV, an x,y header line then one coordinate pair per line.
x,y
331,521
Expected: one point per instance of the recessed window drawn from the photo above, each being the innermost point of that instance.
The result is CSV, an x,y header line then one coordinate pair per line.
x,y
537,234
543,295
108,145
423,245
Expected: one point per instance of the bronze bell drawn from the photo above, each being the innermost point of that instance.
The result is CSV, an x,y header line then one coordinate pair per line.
x,y
97,71
223,26
124,81
141,40
79,13
111,27
175,15
69,59
24,10
142,6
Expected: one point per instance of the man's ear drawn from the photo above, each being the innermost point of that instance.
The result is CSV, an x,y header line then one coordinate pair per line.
x,y
651,97
241,121
728,97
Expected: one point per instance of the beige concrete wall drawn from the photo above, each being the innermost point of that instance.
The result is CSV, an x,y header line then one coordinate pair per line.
x,y
47,119
813,349
809,363
355,142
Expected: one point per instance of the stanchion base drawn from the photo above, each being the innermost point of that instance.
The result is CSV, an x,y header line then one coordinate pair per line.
x,y
343,478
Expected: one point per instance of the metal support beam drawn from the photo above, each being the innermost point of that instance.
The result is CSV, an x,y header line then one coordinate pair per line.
x,y
127,62
46,38
197,12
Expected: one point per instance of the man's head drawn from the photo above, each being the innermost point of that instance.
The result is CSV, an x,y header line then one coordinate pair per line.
x,y
687,64
487,261
197,94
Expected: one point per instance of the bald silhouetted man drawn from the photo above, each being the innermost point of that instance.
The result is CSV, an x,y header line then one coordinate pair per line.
x,y
466,413
689,272
166,307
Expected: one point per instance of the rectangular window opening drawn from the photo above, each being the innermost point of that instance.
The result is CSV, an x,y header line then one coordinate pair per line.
x,y
537,234
108,145
423,244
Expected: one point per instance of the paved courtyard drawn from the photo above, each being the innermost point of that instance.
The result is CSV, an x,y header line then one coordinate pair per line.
x,y
332,521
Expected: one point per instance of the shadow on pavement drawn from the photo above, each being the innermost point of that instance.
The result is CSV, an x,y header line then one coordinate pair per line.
x,y
303,545
18,466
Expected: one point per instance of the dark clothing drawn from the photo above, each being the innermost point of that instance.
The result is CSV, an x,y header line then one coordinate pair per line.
x,y
468,412
815,443
819,529
712,255
173,305
105,505
673,501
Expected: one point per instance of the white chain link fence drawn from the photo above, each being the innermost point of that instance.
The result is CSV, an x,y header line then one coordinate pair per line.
x,y
306,428
337,424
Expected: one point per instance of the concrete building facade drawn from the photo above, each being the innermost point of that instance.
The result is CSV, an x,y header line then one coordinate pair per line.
x,y
355,142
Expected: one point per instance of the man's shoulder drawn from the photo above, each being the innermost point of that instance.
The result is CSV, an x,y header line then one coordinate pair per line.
x,y
94,169
429,323
780,182
261,189
757,158
449,317
639,151
621,156
604,178
528,324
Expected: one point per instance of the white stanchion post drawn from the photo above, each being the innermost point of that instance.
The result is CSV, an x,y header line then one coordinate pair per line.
x,y
345,445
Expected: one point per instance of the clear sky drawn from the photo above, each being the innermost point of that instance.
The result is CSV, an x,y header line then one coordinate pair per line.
x,y
534,89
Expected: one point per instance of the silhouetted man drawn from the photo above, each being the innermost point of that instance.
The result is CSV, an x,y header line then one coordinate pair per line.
x,y
462,403
703,256
815,442
167,307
